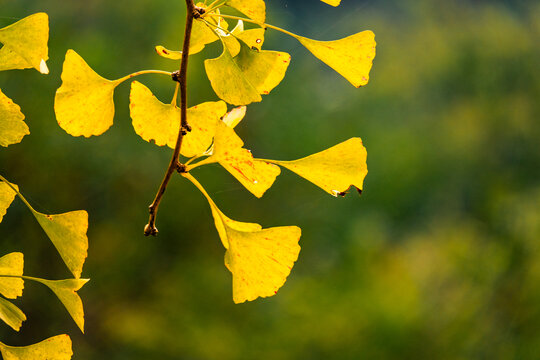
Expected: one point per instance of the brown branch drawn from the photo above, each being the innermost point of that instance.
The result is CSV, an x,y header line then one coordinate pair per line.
x,y
191,13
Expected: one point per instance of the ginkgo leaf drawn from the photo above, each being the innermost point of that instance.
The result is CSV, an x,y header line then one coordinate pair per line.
x,y
54,348
84,103
7,195
66,292
254,38
11,314
160,123
27,38
332,2
68,234
12,265
334,170
242,79
256,175
169,54
254,9
352,57
233,117
260,260
9,60
12,125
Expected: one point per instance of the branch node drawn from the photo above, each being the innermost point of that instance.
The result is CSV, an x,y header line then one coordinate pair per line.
x,y
185,129
176,76
150,230
198,12
181,168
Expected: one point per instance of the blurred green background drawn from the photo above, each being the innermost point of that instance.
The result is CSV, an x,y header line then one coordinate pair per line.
x,y
438,259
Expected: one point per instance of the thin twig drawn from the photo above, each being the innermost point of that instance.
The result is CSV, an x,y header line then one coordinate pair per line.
x,y
174,165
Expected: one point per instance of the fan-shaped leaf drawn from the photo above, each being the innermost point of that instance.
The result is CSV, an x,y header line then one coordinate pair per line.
x,y
332,2
11,314
254,9
54,348
68,234
241,80
334,170
352,57
11,264
66,292
158,122
12,125
25,44
233,117
260,260
257,176
7,195
84,103
168,54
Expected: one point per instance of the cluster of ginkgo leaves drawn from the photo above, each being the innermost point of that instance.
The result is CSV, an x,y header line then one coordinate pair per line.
x,y
25,46
259,259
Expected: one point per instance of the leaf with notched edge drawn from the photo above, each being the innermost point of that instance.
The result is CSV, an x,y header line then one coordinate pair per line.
x,y
66,292
7,195
352,57
12,265
240,80
254,9
11,314
256,175
25,44
54,348
68,234
84,103
334,170
332,2
12,125
158,122
260,260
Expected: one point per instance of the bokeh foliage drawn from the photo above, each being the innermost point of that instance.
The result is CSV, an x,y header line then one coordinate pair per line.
x,y
437,259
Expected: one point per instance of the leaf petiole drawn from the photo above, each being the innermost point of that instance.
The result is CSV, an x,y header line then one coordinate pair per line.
x,y
263,25
143,72
18,194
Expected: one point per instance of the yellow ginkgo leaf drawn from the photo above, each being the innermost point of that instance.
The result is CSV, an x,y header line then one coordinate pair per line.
x,y
260,260
233,117
168,54
242,79
7,195
54,348
254,9
160,123
254,38
66,292
9,60
11,314
332,2
256,175
334,170
11,265
228,81
27,38
352,57
12,125
68,234
84,103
